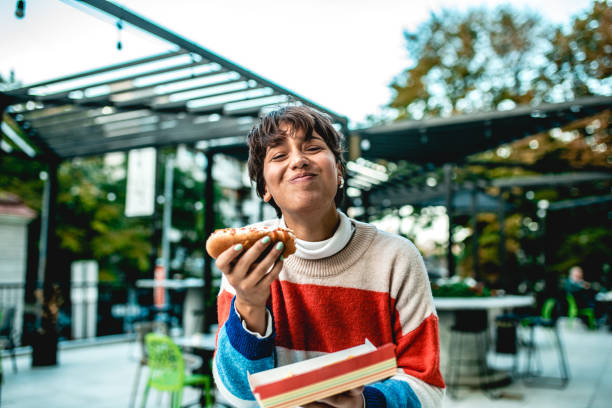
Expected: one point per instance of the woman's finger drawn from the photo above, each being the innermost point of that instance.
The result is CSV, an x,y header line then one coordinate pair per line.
x,y
245,263
227,257
272,274
264,267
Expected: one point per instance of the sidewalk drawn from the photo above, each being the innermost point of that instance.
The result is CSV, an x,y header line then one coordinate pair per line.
x,y
589,355
102,377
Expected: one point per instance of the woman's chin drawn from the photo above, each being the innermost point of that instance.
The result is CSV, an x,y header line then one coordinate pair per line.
x,y
308,209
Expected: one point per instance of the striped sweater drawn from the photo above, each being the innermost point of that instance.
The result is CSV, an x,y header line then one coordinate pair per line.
x,y
375,288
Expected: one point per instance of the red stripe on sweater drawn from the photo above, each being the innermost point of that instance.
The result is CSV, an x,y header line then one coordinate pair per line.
x,y
419,352
328,319
224,302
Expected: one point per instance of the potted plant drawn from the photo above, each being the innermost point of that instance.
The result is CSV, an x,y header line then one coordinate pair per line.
x,y
45,339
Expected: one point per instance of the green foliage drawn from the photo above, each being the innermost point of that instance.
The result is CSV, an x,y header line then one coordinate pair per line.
x,y
582,58
22,177
482,60
469,62
91,224
589,247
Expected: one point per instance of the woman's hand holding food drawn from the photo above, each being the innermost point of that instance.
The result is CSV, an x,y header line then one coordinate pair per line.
x,y
251,279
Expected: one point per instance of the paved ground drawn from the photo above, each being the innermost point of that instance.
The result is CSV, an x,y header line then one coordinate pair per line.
x,y
102,376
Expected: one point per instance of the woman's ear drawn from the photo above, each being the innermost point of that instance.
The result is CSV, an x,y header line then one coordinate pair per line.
x,y
267,196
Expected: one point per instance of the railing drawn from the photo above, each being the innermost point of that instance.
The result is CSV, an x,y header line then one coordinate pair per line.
x,y
89,309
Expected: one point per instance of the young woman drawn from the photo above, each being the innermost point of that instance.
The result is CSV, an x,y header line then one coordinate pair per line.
x,y
346,282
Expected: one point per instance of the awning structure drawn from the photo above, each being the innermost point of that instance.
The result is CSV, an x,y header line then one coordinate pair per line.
x,y
451,140
170,98
464,201
187,95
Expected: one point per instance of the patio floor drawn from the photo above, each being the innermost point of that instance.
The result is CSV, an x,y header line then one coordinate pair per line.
x,y
101,376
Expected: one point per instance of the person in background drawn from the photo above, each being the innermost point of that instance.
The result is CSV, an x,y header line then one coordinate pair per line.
x,y
579,288
347,281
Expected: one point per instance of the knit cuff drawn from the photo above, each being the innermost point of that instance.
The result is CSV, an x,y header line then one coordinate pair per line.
x,y
245,343
374,398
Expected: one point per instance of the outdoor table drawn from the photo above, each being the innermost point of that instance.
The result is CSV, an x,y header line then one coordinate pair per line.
x,y
176,284
197,341
482,303
475,310
200,344
188,298
203,346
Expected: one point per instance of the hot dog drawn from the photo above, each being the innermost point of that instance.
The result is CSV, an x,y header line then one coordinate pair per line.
x,y
222,239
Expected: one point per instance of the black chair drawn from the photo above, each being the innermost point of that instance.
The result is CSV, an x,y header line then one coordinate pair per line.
x,y
507,340
7,333
469,335
533,375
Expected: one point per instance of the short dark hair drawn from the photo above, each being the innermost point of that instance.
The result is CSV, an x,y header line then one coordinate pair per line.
x,y
266,133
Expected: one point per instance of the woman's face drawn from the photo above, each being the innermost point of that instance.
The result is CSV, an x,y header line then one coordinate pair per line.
x,y
301,175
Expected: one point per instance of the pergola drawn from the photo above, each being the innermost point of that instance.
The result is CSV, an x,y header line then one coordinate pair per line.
x,y
186,96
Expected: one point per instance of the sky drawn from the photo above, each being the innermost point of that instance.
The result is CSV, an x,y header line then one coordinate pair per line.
x,y
341,54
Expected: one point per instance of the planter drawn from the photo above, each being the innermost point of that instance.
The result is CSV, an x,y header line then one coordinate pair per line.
x,y
44,349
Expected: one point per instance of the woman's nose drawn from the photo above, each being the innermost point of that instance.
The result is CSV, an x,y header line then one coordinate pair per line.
x,y
298,160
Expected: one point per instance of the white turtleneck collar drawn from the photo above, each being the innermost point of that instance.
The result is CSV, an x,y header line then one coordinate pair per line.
x,y
328,247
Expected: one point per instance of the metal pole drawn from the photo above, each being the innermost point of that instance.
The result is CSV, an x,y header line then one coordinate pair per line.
x,y
476,260
48,242
209,225
155,222
167,220
44,228
365,201
448,179
501,217
167,216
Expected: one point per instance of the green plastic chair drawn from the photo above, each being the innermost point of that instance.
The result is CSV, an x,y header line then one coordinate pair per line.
x,y
167,371
548,307
573,311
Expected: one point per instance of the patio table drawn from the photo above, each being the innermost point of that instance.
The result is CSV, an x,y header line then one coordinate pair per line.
x,y
185,300
474,311
197,341
482,303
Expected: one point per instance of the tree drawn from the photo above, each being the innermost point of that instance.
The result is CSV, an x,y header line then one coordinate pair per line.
x,y
582,58
469,62
480,61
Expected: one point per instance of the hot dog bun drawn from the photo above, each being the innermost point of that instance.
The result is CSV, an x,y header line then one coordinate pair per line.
x,y
222,239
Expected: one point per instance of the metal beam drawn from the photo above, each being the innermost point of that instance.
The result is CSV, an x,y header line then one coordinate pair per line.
x,y
109,68
60,96
157,139
551,179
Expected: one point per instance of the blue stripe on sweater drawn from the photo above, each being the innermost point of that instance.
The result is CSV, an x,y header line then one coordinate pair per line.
x,y
391,394
244,342
232,366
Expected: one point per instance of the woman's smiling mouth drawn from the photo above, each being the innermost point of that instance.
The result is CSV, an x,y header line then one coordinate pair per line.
x,y
302,177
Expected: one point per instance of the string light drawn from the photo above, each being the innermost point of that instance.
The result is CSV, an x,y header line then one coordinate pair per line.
x,y
20,9
119,28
